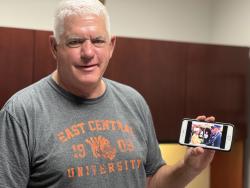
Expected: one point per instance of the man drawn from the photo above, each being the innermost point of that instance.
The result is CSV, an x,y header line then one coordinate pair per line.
x,y
215,138
75,128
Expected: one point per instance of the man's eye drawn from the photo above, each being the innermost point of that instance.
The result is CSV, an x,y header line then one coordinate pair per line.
x,y
98,42
74,43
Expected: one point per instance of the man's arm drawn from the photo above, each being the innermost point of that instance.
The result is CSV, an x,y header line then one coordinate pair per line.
x,y
14,155
183,172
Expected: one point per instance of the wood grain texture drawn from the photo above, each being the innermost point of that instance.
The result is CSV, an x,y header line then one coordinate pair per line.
x,y
16,61
158,71
44,63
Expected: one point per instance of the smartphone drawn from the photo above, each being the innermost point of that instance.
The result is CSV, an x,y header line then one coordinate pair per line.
x,y
210,135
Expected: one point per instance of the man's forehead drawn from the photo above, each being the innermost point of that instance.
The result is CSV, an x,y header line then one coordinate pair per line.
x,y
88,18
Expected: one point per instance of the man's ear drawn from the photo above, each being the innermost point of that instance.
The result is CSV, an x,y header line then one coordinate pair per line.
x,y
112,45
53,45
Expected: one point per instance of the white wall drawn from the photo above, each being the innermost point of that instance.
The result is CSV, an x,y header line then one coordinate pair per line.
x,y
205,21
31,14
231,22
162,19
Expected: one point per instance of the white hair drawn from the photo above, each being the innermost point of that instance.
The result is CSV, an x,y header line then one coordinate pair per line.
x,y
68,8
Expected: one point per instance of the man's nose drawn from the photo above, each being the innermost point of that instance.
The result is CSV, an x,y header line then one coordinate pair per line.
x,y
87,49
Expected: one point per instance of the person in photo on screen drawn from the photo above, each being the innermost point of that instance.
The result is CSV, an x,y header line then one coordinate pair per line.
x,y
215,137
196,136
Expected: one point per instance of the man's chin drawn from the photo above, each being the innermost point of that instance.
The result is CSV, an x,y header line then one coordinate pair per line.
x,y
90,82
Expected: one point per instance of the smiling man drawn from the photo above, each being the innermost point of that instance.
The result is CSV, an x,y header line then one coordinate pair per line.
x,y
76,129
82,52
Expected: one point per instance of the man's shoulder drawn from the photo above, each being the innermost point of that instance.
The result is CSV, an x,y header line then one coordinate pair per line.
x,y
122,88
125,91
126,94
26,96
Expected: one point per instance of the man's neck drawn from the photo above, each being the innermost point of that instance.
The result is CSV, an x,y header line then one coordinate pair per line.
x,y
90,92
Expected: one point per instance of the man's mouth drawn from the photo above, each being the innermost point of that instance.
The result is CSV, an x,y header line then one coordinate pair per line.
x,y
86,67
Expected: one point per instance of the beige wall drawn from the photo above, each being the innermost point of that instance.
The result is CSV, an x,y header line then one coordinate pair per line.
x,y
231,22
173,153
205,21
162,19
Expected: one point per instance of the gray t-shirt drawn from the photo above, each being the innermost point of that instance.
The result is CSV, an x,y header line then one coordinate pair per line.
x,y
51,138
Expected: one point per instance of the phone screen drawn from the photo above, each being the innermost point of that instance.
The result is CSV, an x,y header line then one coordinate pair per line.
x,y
206,134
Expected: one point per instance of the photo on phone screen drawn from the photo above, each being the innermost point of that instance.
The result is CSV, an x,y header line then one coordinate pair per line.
x,y
206,134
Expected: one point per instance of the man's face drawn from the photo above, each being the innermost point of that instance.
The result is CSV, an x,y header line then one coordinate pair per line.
x,y
215,130
83,52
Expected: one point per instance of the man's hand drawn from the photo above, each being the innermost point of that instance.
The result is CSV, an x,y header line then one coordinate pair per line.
x,y
184,171
199,158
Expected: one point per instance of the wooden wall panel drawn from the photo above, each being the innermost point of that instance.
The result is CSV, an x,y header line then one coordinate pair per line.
x,y
158,71
16,61
177,80
44,61
217,83
227,168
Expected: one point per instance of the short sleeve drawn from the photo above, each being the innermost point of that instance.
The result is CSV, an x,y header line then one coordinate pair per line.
x,y
14,155
154,158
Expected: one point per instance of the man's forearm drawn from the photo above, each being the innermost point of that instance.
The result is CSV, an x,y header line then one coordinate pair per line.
x,y
183,172
176,176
